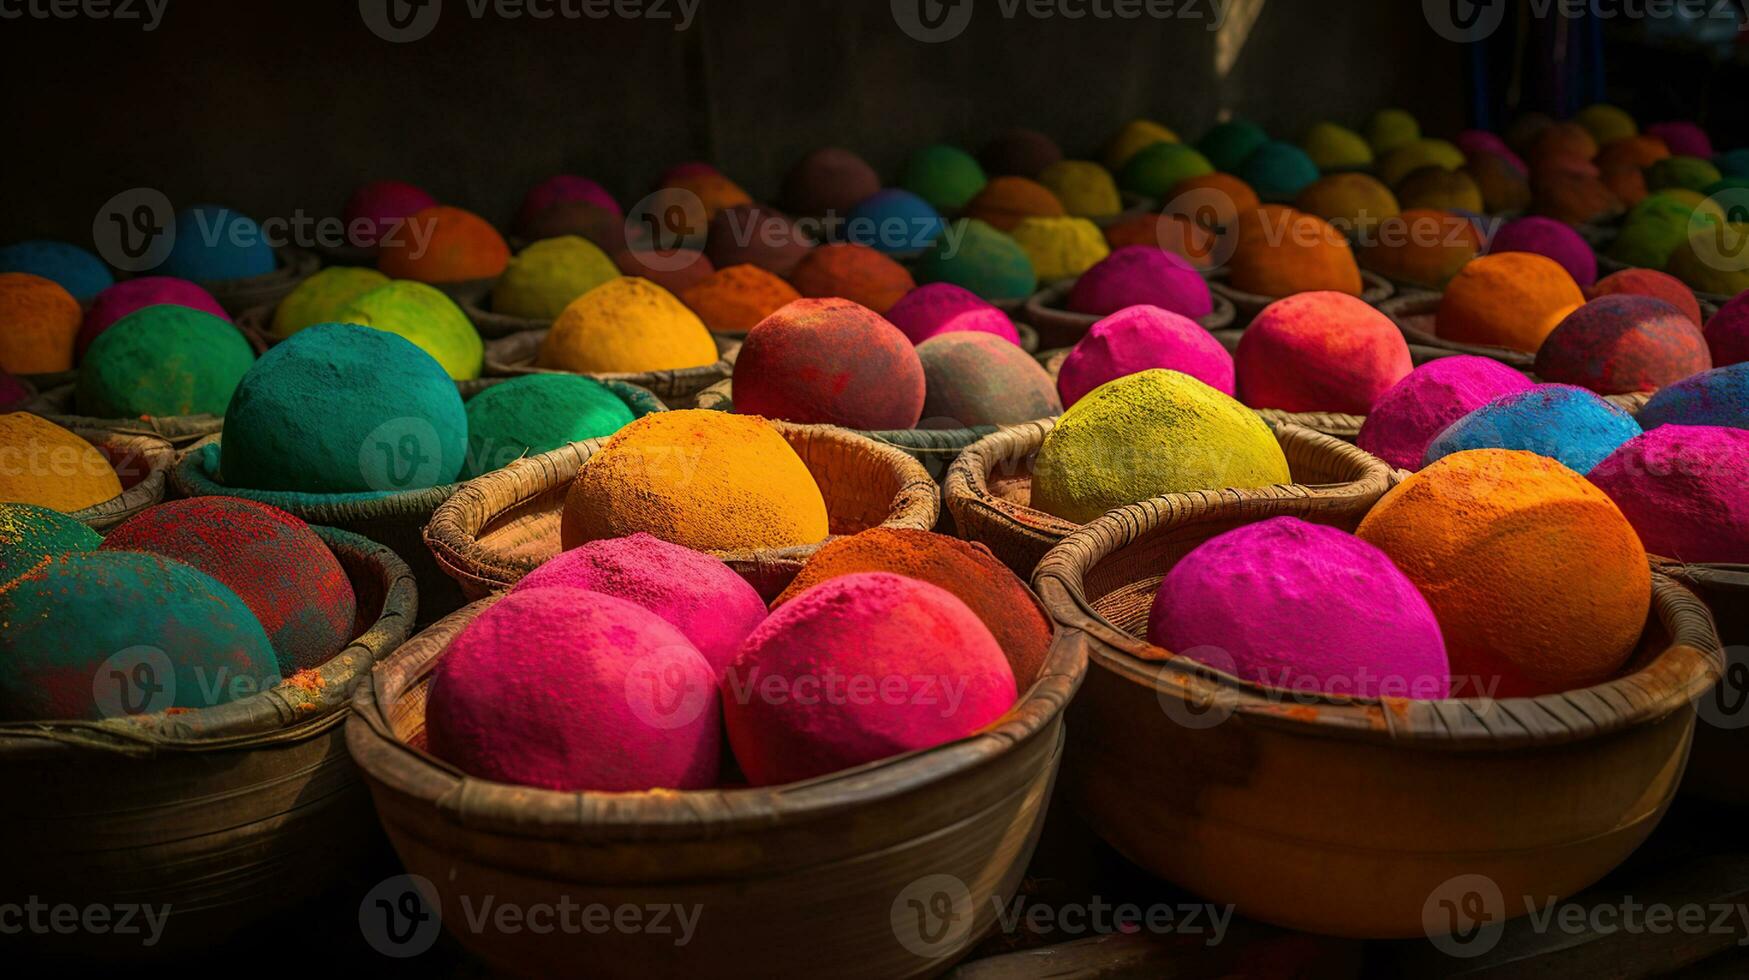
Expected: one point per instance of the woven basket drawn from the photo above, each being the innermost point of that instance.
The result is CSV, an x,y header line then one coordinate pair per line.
x,y
500,526
494,325
1349,816
1721,740
467,290
142,463
237,295
1375,290
514,355
1058,327
989,490
786,878
230,814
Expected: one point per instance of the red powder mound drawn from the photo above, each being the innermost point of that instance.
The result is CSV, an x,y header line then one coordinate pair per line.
x,y
732,300
829,361
1617,344
853,272
676,271
457,246
1319,352
1650,282
755,235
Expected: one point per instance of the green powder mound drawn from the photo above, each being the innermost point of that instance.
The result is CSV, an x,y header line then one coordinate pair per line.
x,y
545,277
341,408
30,534
1731,195
1157,169
1655,227
1146,434
1226,145
320,298
425,316
1691,172
984,261
162,360
1714,260
945,176
535,413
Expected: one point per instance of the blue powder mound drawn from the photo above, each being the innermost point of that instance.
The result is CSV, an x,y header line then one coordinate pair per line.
x,y
78,271
216,244
1278,171
1570,425
1717,397
894,221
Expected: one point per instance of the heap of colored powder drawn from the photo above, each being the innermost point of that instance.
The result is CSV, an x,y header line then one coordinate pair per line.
x,y
216,244
1229,144
1421,248
1135,136
381,208
1019,153
1716,397
755,235
1565,423
1684,138
1085,188
1138,275
732,300
604,228
1007,201
712,189
1146,434
1414,411
1650,282
1278,171
563,189
1562,139
1348,623
1319,352
829,180
1352,202
626,325
987,262
894,221
1334,147
426,317
1504,189
1139,338
13,392
711,481
1573,198
972,378
1617,344
77,271
1538,582
1060,248
1522,133
30,535
1153,171
1480,141
340,408
546,276
1182,236
162,360
39,321
1551,239
133,294
1727,333
1714,259
866,624
1606,123
1211,200
854,272
1692,173
942,307
1410,157
1682,488
1281,252
536,413
1509,299
320,298
443,244
1655,227
830,361
273,562
676,271
1638,152
694,592
1389,129
52,467
945,176
1440,189
570,690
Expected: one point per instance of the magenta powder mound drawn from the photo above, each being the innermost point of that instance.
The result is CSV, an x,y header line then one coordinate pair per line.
x,y
13,392
132,294
1622,343
942,307
1139,338
1682,488
1319,352
1302,607
1549,238
859,668
1473,141
564,189
1408,416
696,593
1685,139
1137,275
380,208
829,361
1727,332
973,378
571,690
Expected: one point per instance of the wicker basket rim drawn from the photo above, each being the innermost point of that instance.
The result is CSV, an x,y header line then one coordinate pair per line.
x,y
193,476
160,458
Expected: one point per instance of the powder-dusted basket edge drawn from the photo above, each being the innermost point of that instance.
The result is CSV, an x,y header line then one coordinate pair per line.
x,y
986,486
523,501
142,462
515,355
230,814
1346,817
1058,327
785,877
1375,290
237,295
1721,740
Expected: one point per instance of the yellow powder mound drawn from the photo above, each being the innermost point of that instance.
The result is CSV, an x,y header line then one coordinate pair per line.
x,y
627,325
1060,247
46,465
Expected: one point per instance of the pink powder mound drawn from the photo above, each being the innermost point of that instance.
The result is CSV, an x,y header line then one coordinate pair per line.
x,y
859,668
1549,238
1139,338
129,295
1302,607
942,307
1319,352
13,393
1684,139
1727,333
1682,488
571,690
1418,408
1473,141
699,595
384,205
1138,275
1618,344
561,189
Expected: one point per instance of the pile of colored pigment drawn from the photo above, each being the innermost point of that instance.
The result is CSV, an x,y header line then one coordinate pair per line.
x,y
604,228
675,271
1655,227
1440,189
1415,410
711,481
381,208
38,323
77,271
1685,138
1019,153
1716,397
1564,423
216,244
546,276
1562,139
1060,248
1550,239
1137,275
1278,171
1136,339
569,690
1334,147
1302,607
894,221
130,295
1352,202
1389,129
1212,200
1480,141
973,378
1538,582
627,325
1085,189
830,361
1606,123
320,298
987,262
943,307
425,317
1006,201
1410,157
712,189
563,189
51,466
1175,233
1156,169
536,413
162,360
1135,136
867,624
445,244
829,180
273,562
1682,488
67,620
340,408
1146,434
945,176
1727,333
755,235
1280,252
13,392
1617,344
1229,144
1320,352
30,535
1712,260
1421,248
1524,130
1504,188
853,272
732,300
1680,171
1650,282
1512,299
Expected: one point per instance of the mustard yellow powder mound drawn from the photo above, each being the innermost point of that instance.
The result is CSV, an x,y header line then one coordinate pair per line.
x,y
627,325
1086,189
1135,136
46,465
1060,248
545,277
320,298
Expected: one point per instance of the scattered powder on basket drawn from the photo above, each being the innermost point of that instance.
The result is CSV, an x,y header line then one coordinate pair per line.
x,y
1421,248
30,535
160,361
1006,201
732,300
942,307
1135,136
1716,397
1019,152
1650,282
69,473
974,378
546,276
945,176
1440,189
829,180
627,325
894,221
829,361
1280,251
131,295
1512,300
1229,144
1334,147
1352,202
217,244
445,244
1060,248
1278,171
1727,333
1617,344
1550,239
1565,423
1086,189
1319,352
77,271
563,189
1155,170
320,298
1137,275
987,262
380,208
536,413
1408,416
425,317
38,323
756,235
854,272
1138,338
1682,488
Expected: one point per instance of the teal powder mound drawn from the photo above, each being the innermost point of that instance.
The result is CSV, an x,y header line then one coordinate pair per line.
x,y
535,413
340,408
1226,145
945,176
1278,171
29,535
215,244
162,360
987,262
93,635
78,271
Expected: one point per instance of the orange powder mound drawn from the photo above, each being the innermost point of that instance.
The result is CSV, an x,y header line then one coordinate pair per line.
x,y
1625,180
46,465
1503,186
1353,202
853,272
1567,138
1638,151
445,244
1538,582
626,325
1281,251
711,481
1213,200
1422,247
1006,201
714,191
1174,233
1573,198
1512,299
732,300
39,320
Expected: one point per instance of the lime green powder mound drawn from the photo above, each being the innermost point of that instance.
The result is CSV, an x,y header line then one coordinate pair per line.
x,y
29,534
536,413
160,361
425,316
320,298
545,277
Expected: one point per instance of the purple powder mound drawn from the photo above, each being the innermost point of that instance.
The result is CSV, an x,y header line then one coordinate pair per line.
x,y
1302,607
1717,397
1473,141
699,595
942,307
1416,409
972,378
1137,339
1137,275
1550,239
1622,343
13,393
562,189
1727,333
1684,139
1682,488
135,294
